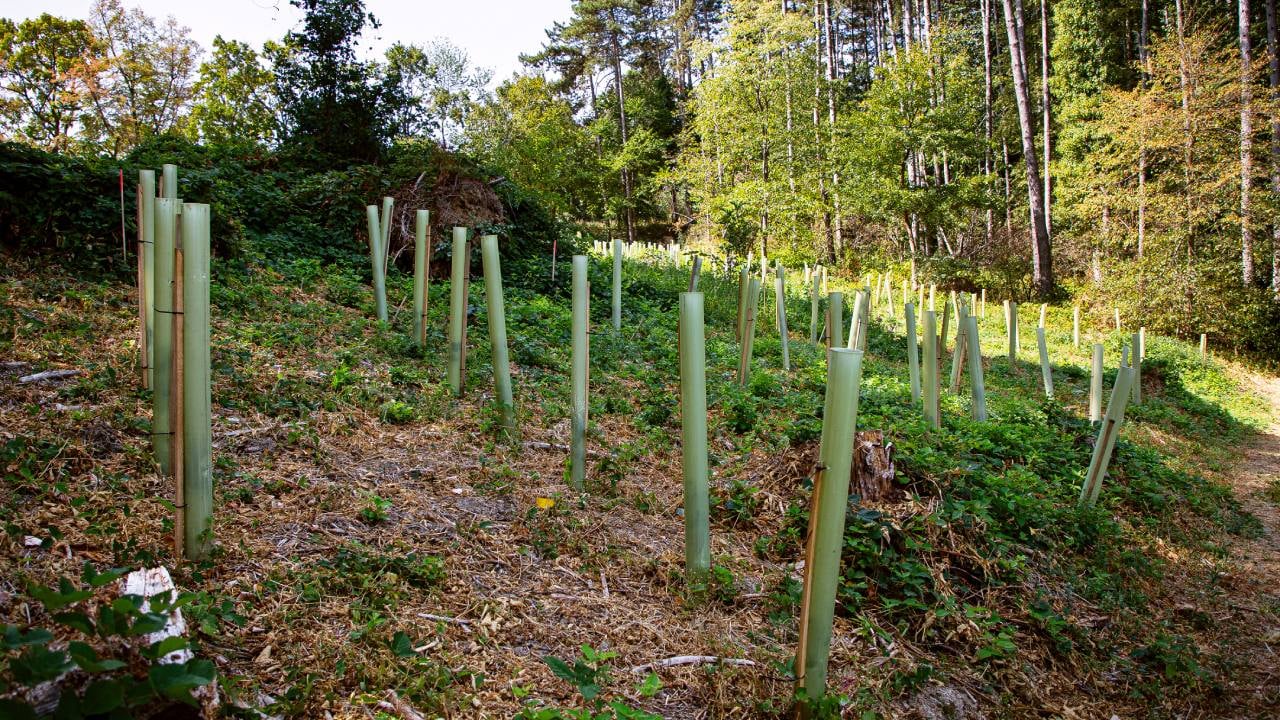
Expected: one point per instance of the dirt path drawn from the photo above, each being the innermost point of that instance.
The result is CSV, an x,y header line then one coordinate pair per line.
x,y
1257,560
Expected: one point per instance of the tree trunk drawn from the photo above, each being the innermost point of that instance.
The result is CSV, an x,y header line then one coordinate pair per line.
x,y
1047,119
1246,146
1142,150
1273,59
622,128
987,162
832,154
1041,257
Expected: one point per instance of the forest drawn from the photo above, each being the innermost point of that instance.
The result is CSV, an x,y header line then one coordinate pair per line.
x,y
731,359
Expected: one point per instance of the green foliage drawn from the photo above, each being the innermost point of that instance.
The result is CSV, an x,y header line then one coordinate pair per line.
x,y
233,102
591,674
30,656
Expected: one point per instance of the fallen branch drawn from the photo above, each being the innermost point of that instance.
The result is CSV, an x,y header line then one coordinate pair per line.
x,y
48,375
679,660
396,705
538,445
466,624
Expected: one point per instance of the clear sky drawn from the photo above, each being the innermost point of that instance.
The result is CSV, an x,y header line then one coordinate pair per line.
x,y
493,32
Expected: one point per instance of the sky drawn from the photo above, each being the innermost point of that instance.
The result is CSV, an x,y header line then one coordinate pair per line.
x,y
493,32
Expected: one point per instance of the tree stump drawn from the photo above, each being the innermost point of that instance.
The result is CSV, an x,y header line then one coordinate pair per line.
x,y
873,467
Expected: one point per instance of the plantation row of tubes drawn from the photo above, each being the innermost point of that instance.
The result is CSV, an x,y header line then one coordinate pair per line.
x,y
174,340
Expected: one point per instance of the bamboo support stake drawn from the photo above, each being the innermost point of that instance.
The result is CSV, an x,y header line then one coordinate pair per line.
x,y
617,285
835,320
1095,385
1075,326
693,434
1107,434
197,460
147,257
1137,368
780,293
979,400
828,506
166,217
744,284
931,409
913,352
421,274
498,330
375,261
1045,370
580,372
749,331
458,311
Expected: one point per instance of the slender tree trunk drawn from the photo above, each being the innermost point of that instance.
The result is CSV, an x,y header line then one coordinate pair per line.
x,y
622,128
1142,150
1041,254
1047,119
1246,146
832,153
987,163
1273,59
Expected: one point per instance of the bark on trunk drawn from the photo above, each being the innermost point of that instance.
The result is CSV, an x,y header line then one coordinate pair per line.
x,y
1041,258
1246,146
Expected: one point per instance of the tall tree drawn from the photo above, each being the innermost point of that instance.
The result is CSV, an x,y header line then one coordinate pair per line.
x,y
44,67
1273,61
439,87
233,97
1041,253
1246,146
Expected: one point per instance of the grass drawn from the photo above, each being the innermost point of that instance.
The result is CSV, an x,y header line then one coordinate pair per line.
x,y
356,496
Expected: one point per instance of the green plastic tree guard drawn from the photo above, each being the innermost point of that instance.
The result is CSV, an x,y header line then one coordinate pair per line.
x,y
1138,342
780,292
375,263
1075,326
384,231
166,217
1107,434
931,410
814,307
421,274
749,331
693,428
913,352
146,284
1013,331
835,319
458,310
1046,371
580,372
1095,385
829,504
979,401
744,285
617,285
197,461
498,330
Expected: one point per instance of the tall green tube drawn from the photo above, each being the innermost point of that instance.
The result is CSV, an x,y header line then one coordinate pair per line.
x,y
1075,326
1138,342
375,262
1013,331
384,228
1107,434
780,292
1095,385
979,401
693,428
580,371
169,181
835,320
913,352
617,285
458,310
147,298
749,331
197,461
931,410
827,511
744,285
498,329
420,277
1045,370
814,307
958,352
166,216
